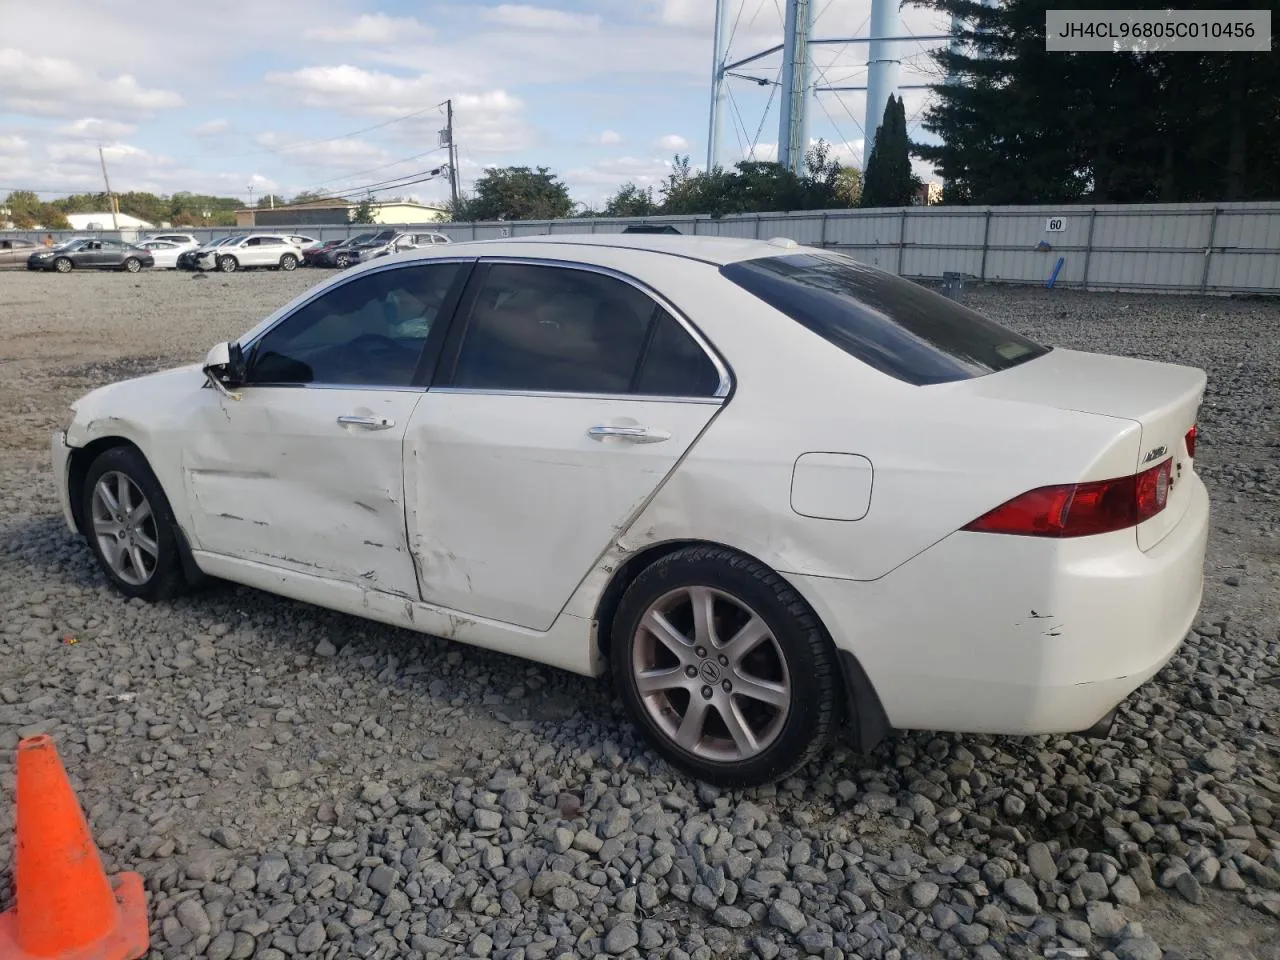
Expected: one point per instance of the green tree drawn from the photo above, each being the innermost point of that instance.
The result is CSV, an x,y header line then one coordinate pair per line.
x,y
631,201
519,193
363,212
887,179
1025,125
306,196
268,200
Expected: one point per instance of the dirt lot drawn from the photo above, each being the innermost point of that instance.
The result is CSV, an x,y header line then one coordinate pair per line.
x,y
292,782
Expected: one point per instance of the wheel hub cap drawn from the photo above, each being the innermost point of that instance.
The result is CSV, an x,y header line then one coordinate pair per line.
x,y
125,528
711,675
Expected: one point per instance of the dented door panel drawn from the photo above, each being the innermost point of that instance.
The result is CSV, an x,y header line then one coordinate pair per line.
x,y
510,500
276,478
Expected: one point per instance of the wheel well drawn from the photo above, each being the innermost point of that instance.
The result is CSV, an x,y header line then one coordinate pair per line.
x,y
78,470
81,459
863,709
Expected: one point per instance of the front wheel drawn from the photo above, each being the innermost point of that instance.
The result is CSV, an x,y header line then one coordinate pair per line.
x,y
725,668
130,526
288,262
62,265
133,264
228,264
342,261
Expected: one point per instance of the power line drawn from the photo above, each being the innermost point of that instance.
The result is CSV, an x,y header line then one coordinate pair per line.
x,y
383,166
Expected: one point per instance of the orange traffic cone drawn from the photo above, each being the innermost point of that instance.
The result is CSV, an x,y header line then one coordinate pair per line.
x,y
66,907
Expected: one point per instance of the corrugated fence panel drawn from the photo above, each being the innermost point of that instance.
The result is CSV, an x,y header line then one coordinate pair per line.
x,y
1217,248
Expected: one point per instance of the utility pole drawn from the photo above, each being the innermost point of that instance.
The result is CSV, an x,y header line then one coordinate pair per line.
x,y
111,200
251,195
453,155
718,57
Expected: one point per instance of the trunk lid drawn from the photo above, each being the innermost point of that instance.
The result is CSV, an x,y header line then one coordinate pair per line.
x,y
1162,398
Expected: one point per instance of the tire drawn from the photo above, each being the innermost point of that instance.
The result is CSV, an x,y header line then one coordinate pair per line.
x,y
153,538
288,262
228,264
63,265
133,264
342,261
793,657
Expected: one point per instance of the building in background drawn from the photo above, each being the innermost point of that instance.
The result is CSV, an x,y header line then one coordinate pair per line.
x,y
928,194
105,221
337,212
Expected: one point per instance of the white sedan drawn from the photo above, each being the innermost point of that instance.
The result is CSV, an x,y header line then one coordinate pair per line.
x,y
770,489
165,252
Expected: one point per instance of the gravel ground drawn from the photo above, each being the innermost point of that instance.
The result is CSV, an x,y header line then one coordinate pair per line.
x,y
292,782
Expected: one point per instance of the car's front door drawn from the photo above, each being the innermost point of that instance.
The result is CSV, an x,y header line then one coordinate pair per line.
x,y
304,471
565,397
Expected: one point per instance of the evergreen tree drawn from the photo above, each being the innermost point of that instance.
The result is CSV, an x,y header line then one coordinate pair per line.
x,y
1025,125
887,178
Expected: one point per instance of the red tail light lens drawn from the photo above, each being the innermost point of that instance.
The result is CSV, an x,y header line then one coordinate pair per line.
x,y
1081,509
1191,441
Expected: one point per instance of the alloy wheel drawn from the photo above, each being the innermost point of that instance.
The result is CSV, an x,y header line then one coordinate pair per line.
x,y
710,674
125,528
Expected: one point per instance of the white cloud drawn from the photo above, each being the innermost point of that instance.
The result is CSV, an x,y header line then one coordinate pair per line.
x,y
92,128
372,28
672,141
212,128
336,154
607,138
524,17
488,121
48,86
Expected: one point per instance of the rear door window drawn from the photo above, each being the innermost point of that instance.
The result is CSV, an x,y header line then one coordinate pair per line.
x,y
898,327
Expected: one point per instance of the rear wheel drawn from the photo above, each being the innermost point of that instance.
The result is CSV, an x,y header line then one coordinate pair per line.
x,y
228,264
342,261
133,264
288,262
130,526
62,265
725,667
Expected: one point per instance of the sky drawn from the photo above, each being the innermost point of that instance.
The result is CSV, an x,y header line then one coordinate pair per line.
x,y
241,97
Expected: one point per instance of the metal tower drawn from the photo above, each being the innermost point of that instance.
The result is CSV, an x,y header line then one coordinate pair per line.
x,y
882,74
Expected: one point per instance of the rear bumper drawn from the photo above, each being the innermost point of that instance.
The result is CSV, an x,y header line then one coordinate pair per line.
x,y
60,456
984,633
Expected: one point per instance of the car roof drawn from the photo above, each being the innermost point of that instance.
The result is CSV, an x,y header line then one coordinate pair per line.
x,y
712,250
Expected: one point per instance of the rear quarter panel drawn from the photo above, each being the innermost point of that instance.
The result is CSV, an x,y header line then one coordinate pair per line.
x,y
939,461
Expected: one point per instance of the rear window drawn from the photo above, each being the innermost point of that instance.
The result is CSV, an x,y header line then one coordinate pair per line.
x,y
898,327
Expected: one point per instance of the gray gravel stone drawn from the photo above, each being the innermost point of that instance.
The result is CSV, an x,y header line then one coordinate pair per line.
x,y
621,938
786,917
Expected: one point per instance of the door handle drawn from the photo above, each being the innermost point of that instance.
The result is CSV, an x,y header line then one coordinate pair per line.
x,y
372,423
637,434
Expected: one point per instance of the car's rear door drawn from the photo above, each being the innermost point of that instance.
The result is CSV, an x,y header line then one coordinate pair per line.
x,y
304,470
566,395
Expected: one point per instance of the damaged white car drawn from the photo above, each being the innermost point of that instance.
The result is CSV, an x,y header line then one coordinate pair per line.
x,y
772,490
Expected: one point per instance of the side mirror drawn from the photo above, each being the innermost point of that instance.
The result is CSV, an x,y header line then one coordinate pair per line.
x,y
224,366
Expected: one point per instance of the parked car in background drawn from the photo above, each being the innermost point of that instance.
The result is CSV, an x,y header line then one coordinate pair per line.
x,y
14,252
339,255
91,254
769,488
398,243
251,251
187,259
312,251
298,240
184,241
165,252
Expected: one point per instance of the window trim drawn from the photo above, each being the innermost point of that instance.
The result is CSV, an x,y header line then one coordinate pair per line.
x,y
447,364
431,348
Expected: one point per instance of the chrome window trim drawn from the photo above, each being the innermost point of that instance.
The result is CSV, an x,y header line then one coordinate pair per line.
x,y
568,395
725,385
332,386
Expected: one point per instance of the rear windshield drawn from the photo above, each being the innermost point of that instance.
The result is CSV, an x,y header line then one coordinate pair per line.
x,y
898,327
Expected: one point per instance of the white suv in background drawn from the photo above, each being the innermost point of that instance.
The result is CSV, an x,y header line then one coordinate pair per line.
x,y
184,241
249,251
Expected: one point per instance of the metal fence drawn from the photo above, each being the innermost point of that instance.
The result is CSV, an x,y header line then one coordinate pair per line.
x,y
1225,248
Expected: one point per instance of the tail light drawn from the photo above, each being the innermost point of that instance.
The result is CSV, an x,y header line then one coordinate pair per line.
x,y
1191,441
1081,509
